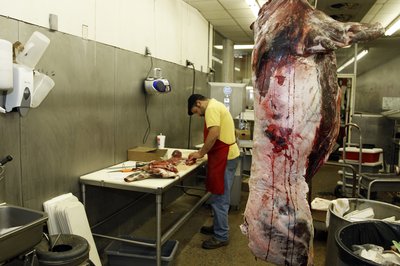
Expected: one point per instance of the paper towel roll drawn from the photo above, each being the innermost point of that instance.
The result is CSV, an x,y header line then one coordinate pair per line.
x,y
161,141
6,65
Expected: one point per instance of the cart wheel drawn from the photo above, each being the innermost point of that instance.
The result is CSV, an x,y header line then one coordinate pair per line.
x,y
338,191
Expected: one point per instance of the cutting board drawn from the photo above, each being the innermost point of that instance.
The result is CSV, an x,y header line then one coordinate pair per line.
x,y
50,207
78,224
67,216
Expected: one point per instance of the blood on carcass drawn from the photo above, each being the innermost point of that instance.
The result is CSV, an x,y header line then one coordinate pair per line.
x,y
297,108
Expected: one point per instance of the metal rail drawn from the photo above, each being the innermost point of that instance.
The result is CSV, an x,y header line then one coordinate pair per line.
x,y
349,125
352,169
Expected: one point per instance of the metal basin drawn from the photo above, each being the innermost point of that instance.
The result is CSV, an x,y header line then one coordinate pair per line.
x,y
20,230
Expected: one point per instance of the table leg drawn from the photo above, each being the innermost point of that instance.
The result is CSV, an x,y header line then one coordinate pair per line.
x,y
158,216
83,188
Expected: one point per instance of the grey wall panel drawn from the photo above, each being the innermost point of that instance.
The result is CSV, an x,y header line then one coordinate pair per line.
x,y
131,69
95,112
71,133
10,186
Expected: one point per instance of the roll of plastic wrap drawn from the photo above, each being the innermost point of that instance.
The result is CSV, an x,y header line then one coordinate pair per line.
x,y
6,65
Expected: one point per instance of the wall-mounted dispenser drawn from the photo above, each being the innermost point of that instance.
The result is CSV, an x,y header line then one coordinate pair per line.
x,y
6,65
156,84
20,96
29,87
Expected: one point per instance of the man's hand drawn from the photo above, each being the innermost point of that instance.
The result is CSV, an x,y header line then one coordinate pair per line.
x,y
195,155
213,134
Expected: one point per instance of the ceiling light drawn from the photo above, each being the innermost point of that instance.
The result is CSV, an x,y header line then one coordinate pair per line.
x,y
253,6
393,28
237,69
216,59
359,56
243,46
237,47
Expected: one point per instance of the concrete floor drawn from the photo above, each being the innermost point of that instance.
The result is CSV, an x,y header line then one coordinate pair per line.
x,y
237,253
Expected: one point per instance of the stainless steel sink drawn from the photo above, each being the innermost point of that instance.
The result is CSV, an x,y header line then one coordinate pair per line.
x,y
20,230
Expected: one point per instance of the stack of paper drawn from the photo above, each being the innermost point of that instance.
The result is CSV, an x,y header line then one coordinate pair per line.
x,y
360,215
67,216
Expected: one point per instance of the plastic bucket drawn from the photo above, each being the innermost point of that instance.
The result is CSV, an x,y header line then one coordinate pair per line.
x,y
42,85
379,233
381,209
33,50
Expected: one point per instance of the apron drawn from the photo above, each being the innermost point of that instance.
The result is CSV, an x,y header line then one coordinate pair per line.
x,y
216,164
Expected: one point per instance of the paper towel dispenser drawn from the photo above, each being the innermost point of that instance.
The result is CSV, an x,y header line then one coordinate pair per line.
x,y
29,87
6,65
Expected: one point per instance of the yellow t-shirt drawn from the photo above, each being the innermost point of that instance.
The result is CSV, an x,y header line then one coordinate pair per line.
x,y
218,115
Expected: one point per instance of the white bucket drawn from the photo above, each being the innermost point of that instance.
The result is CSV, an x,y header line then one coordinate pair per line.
x,y
42,85
6,65
33,50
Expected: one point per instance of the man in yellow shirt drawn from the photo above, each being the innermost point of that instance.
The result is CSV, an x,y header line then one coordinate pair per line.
x,y
222,152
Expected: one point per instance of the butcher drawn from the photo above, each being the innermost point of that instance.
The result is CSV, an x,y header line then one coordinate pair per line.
x,y
222,153
297,105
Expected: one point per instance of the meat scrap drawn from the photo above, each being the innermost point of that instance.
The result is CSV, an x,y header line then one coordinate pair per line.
x,y
178,155
159,169
297,105
190,161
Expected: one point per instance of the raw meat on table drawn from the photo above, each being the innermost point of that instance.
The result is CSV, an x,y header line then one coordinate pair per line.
x,y
159,168
297,104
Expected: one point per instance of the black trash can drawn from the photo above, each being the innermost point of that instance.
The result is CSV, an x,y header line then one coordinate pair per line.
x,y
382,210
67,250
370,232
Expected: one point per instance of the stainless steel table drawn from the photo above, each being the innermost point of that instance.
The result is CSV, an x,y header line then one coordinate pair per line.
x,y
107,178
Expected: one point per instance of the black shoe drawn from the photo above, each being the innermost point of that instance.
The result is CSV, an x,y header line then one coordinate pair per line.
x,y
207,230
213,243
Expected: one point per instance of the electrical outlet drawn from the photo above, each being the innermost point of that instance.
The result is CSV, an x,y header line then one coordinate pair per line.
x,y
85,31
188,63
53,22
147,51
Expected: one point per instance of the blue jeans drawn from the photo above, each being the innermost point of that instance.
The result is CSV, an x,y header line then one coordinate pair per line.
x,y
220,203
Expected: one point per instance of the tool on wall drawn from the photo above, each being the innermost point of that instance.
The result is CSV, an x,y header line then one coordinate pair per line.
x,y
156,84
3,161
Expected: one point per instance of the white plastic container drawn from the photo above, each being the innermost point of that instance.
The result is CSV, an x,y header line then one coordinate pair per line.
x,y
33,50
42,85
6,65
161,141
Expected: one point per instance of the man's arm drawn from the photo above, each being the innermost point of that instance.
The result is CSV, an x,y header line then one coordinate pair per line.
x,y
213,134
